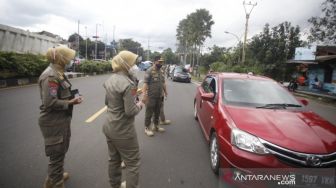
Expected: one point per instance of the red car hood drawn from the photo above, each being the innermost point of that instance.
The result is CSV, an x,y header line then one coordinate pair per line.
x,y
299,131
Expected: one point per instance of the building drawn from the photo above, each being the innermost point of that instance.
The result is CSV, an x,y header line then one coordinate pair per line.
x,y
317,62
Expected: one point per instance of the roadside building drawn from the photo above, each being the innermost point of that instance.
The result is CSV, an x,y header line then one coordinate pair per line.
x,y
316,63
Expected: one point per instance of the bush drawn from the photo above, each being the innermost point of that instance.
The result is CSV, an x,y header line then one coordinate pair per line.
x,y
203,70
14,65
90,67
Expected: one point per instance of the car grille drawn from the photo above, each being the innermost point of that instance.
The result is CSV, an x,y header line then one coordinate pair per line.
x,y
297,159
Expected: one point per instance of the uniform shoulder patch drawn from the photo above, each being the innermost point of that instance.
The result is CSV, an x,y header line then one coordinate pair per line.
x,y
53,85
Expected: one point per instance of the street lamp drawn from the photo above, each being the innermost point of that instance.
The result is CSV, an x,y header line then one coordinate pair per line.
x,y
248,13
226,32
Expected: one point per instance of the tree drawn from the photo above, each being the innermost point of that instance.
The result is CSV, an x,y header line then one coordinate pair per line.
x,y
91,46
192,32
169,56
273,47
153,54
130,45
73,38
182,35
324,28
217,54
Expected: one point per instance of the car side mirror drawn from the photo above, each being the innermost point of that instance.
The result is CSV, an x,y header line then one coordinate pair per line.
x,y
208,96
304,102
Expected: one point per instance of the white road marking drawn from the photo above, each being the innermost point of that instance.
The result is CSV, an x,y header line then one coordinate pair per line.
x,y
97,114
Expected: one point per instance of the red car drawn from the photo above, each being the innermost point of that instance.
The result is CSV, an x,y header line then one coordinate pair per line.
x,y
254,122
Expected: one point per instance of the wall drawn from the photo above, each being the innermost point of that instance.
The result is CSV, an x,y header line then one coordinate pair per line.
x,y
20,41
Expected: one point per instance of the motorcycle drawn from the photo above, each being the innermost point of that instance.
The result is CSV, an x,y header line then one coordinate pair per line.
x,y
293,85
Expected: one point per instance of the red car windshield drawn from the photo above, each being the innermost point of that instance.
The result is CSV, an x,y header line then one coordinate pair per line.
x,y
256,93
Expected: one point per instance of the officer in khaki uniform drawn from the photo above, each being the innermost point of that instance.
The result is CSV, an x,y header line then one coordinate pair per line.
x,y
122,107
56,113
154,88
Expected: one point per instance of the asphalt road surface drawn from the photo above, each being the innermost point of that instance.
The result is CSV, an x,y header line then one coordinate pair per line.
x,y
177,158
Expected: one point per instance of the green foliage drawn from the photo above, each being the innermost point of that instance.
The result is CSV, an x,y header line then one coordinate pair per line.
x,y
14,65
153,54
275,45
90,67
74,37
323,28
130,45
192,31
195,28
91,47
222,67
203,70
169,56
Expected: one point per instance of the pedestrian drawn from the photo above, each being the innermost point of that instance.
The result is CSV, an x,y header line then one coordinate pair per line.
x,y
56,113
317,84
154,88
122,107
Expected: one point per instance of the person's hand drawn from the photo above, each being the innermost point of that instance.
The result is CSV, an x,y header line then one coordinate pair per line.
x,y
76,100
144,99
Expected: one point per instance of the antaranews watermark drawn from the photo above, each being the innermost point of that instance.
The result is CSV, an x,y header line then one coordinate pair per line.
x,y
280,179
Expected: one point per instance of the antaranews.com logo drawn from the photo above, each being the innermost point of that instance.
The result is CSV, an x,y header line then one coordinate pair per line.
x,y
280,179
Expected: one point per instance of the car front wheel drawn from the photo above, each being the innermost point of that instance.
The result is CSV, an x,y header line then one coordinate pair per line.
x,y
195,111
214,157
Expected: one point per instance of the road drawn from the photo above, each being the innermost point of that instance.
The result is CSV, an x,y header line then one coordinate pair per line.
x,y
177,158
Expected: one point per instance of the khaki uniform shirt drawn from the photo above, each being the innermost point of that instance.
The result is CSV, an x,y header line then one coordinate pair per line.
x,y
120,99
155,80
56,113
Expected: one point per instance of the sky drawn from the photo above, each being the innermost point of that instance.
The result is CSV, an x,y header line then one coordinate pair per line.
x,y
153,20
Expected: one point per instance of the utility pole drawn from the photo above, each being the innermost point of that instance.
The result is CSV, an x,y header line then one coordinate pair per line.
x,y
96,40
148,51
114,43
105,46
248,13
86,42
78,39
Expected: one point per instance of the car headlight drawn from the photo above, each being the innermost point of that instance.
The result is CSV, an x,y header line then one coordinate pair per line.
x,y
247,142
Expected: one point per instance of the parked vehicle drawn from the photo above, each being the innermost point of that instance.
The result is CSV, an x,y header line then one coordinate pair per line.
x,y
75,62
143,66
254,122
180,74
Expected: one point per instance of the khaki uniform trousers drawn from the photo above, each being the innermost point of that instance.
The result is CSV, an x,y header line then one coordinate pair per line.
x,y
126,150
153,107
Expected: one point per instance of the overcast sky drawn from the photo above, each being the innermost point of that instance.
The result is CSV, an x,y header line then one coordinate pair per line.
x,y
155,20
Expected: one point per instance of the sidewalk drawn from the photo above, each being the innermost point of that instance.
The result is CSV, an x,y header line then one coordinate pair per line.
x,y
316,94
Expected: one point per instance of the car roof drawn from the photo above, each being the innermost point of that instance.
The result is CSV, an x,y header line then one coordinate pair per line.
x,y
239,75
